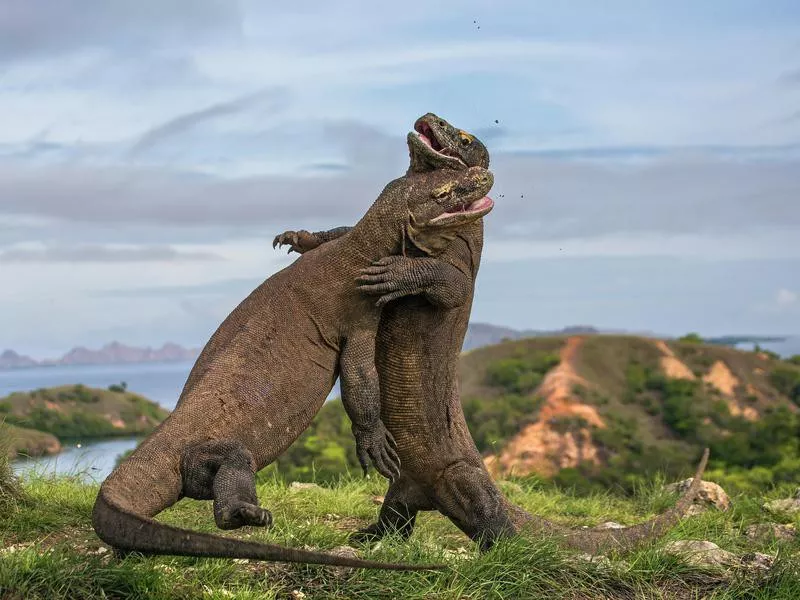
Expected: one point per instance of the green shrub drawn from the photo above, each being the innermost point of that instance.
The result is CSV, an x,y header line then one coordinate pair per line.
x,y
492,422
787,382
691,338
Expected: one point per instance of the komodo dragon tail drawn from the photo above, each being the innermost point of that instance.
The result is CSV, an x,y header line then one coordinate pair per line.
x,y
623,539
125,530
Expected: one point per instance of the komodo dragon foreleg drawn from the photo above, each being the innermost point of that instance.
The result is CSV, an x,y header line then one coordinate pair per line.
x,y
361,398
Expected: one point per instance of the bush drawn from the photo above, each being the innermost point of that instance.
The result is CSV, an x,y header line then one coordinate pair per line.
x,y
120,387
787,382
691,338
492,422
520,375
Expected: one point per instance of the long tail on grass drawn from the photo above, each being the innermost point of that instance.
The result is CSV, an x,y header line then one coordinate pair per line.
x,y
623,539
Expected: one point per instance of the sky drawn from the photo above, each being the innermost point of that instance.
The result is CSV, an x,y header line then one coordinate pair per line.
x,y
646,156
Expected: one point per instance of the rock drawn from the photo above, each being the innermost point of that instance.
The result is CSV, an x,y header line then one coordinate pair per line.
x,y
757,562
761,532
297,595
710,494
609,525
299,485
346,552
700,553
789,506
378,500
460,553
600,560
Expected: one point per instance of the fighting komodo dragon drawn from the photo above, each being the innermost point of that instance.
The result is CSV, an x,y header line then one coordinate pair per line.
x,y
265,373
418,345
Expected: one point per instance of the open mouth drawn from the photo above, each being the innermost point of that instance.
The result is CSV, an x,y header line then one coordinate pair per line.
x,y
478,208
428,136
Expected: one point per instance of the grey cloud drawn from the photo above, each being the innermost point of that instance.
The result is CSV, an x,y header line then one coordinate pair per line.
x,y
100,253
790,78
535,197
274,97
214,288
36,27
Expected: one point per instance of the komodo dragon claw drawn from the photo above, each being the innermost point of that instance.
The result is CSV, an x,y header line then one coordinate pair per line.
x,y
298,241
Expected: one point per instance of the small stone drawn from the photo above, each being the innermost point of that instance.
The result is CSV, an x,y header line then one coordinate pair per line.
x,y
767,531
300,485
609,525
596,559
459,553
101,550
241,561
378,500
701,553
346,552
756,561
710,494
788,506
298,595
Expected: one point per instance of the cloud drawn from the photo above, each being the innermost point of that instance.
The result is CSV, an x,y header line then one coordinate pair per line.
x,y
101,254
37,27
537,198
790,78
785,298
272,99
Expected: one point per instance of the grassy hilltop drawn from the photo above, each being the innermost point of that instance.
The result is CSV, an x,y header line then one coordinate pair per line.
x,y
35,421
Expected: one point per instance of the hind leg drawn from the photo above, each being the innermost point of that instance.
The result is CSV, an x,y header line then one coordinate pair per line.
x,y
467,495
225,472
398,513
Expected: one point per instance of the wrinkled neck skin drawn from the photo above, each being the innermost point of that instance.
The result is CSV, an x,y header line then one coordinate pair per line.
x,y
381,231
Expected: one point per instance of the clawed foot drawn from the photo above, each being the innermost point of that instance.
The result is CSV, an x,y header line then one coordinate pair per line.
x,y
243,514
367,535
391,277
298,241
376,443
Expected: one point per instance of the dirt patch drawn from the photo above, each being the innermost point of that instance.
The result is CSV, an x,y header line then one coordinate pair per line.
x,y
50,405
545,447
671,365
116,422
723,380
720,377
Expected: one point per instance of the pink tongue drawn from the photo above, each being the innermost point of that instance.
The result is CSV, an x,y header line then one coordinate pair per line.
x,y
425,138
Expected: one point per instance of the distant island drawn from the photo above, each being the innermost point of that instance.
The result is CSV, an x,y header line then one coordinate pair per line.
x,y
113,353
36,422
478,336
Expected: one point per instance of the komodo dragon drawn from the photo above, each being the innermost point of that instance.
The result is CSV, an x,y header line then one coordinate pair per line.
x,y
418,346
266,372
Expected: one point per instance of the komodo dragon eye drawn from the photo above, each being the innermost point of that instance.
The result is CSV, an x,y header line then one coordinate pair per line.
x,y
466,139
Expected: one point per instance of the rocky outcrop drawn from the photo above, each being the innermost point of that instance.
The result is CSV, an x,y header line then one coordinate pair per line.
x,y
710,495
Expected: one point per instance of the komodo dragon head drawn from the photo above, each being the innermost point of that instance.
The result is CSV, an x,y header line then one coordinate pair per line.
x,y
436,144
455,201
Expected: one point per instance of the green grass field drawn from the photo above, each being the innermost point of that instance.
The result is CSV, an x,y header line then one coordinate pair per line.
x,y
49,550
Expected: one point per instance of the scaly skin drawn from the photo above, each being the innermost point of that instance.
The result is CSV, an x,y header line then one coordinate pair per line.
x,y
418,346
264,374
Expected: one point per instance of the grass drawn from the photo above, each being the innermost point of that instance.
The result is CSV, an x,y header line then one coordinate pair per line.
x,y
50,551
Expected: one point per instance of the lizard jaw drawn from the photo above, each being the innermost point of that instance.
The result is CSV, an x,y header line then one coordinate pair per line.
x,y
475,210
424,142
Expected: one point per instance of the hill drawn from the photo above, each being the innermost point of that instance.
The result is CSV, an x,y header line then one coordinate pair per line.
x,y
111,353
27,442
600,411
73,411
609,407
